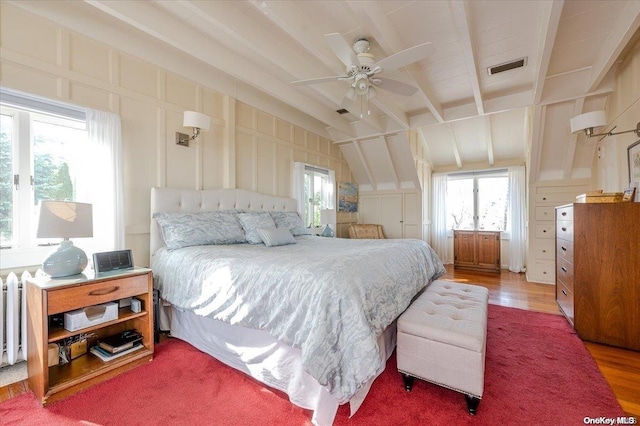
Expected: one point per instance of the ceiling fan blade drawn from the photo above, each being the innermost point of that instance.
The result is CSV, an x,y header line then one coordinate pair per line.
x,y
341,48
319,80
397,87
406,57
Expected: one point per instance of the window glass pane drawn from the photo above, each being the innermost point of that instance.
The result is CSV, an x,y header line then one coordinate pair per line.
x,y
492,203
6,180
460,204
56,159
308,207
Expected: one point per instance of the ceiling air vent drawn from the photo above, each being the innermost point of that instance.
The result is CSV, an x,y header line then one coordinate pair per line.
x,y
342,111
518,63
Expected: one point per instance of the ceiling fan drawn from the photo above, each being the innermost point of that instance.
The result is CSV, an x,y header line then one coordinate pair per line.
x,y
362,69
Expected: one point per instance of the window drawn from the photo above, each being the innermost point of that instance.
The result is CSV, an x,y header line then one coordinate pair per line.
x,y
41,156
317,187
47,152
478,201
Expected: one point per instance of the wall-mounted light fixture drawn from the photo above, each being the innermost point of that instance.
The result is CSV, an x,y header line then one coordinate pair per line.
x,y
588,121
196,120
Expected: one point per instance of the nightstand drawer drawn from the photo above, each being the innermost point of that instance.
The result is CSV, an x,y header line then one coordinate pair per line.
x,y
96,293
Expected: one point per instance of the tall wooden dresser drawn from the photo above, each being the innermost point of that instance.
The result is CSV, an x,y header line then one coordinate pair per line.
x,y
598,271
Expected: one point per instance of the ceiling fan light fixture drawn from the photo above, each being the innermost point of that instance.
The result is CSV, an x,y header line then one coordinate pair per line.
x,y
361,84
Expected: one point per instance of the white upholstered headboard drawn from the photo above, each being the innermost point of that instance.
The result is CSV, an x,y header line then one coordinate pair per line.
x,y
192,200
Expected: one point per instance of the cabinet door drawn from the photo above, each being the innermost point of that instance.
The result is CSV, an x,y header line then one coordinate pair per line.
x,y
412,212
488,249
391,215
465,248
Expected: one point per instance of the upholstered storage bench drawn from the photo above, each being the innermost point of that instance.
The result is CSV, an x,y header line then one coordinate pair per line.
x,y
442,339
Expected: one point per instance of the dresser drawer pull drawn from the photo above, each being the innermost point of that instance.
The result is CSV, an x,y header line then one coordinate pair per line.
x,y
564,292
564,229
563,248
104,291
564,213
564,269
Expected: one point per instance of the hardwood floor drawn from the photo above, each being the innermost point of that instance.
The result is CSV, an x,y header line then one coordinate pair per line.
x,y
621,368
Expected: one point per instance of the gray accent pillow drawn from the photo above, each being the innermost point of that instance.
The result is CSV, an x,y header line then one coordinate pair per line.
x,y
251,221
199,228
276,236
291,221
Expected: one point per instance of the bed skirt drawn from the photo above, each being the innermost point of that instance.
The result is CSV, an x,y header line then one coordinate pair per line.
x,y
267,360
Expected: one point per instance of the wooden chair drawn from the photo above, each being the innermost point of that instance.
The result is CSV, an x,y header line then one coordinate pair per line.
x,y
366,231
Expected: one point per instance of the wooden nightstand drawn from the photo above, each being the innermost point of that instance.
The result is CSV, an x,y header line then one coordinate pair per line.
x,y
48,297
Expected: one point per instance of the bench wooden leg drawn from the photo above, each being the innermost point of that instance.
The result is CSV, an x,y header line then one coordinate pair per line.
x,y
408,382
472,404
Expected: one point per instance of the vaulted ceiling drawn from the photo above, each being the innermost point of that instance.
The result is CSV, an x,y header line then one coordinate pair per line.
x,y
464,116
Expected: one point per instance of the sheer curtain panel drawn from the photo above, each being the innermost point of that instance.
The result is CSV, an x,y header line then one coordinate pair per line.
x,y
517,219
440,238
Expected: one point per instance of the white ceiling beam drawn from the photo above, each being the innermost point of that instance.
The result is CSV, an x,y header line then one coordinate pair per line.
x,y
573,138
626,26
539,113
365,165
463,27
548,30
389,160
149,19
454,145
425,147
374,19
488,134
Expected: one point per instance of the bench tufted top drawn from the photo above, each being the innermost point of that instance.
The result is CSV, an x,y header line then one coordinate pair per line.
x,y
450,313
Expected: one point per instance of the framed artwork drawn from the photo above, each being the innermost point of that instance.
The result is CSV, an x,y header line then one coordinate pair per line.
x,y
628,194
633,155
347,197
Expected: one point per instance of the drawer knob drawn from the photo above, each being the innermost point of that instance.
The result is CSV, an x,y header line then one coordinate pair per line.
x,y
544,198
564,213
564,229
544,231
564,248
564,292
564,269
104,291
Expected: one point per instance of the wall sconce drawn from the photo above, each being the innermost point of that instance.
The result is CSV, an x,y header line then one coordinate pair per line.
x,y
588,121
196,120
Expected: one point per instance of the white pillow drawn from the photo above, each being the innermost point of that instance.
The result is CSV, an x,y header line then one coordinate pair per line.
x,y
276,236
251,221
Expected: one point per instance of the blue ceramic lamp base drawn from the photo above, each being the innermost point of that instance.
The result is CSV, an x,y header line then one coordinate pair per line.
x,y
66,260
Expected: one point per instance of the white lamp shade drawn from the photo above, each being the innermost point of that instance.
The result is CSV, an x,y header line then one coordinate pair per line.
x,y
328,216
588,120
65,219
196,119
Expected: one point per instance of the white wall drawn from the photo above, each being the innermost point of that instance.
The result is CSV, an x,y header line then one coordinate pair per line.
x,y
246,147
623,110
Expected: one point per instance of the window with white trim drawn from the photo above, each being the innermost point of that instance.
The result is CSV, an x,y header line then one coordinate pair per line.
x,y
317,190
478,200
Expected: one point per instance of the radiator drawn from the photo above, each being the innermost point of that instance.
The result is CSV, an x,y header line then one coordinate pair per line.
x,y
13,319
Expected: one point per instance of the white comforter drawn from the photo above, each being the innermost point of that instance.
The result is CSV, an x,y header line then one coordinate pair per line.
x,y
329,297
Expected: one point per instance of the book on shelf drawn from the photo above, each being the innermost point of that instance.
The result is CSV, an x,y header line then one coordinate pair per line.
x,y
120,342
107,356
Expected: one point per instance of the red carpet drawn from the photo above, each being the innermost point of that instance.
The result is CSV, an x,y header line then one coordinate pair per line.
x,y
537,372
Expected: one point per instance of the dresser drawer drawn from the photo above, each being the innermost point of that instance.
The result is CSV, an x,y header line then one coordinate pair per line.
x,y
564,229
545,213
543,249
545,230
564,273
564,297
96,293
564,213
564,249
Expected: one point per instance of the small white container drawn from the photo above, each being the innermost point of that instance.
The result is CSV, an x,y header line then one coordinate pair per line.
x,y
91,315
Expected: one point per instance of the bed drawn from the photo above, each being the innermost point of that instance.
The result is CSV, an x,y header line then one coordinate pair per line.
x,y
311,316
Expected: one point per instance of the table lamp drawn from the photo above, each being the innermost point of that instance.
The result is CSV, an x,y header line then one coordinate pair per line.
x,y
65,219
327,216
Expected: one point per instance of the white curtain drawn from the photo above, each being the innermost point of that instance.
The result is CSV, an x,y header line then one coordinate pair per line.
x,y
439,239
329,192
517,219
298,186
102,184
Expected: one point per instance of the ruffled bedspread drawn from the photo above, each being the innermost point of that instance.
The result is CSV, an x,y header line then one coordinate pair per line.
x,y
329,297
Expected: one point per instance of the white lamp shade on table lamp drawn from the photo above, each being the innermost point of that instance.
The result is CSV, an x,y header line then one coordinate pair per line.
x,y
327,217
588,120
65,219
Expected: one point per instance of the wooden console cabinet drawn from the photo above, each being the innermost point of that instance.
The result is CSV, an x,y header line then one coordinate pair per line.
x,y
48,297
476,250
598,271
